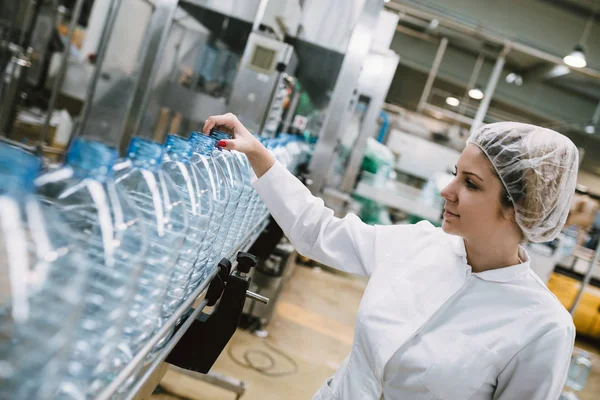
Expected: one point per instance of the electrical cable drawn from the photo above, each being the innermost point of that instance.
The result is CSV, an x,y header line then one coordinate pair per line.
x,y
264,370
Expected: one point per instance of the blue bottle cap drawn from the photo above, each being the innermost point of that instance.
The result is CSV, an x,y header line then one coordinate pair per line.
x,y
220,135
18,170
145,153
203,144
179,148
91,159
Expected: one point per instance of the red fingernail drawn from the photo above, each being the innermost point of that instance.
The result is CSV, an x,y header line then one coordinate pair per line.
x,y
222,143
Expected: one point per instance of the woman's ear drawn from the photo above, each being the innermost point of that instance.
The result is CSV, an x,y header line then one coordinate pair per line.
x,y
508,213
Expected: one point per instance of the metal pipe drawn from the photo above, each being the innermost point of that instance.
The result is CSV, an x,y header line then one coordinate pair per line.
x,y
596,116
58,81
586,279
111,17
439,55
260,14
490,89
10,89
31,13
150,56
472,83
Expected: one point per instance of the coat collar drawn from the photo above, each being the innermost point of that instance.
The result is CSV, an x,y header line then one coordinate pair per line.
x,y
505,274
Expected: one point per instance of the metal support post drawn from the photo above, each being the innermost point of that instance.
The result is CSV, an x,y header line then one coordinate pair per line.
x,y
439,56
60,77
260,14
150,56
586,279
472,83
100,55
596,116
344,90
490,89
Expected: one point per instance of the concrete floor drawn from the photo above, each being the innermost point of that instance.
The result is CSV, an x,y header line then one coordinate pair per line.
x,y
314,326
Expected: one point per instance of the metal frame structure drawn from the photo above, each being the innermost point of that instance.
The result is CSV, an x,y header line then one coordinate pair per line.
x,y
344,90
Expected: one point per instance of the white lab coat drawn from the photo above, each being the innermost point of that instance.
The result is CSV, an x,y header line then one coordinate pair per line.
x,y
427,326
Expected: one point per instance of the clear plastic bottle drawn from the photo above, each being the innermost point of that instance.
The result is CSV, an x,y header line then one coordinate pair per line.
x,y
177,164
242,212
568,241
105,223
253,197
225,194
212,173
41,284
163,212
579,370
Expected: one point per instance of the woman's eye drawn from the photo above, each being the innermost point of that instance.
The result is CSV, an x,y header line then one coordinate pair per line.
x,y
471,185
454,173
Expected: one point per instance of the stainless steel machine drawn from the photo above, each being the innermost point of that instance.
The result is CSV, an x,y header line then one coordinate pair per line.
x,y
259,89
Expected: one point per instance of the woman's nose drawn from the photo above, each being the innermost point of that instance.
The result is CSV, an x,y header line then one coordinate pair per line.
x,y
449,193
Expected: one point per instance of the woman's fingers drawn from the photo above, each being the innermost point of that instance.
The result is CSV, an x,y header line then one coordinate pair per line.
x,y
227,144
228,120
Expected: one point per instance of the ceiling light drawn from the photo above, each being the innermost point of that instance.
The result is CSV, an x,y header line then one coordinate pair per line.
x,y
518,80
386,1
514,78
576,59
452,101
591,129
476,93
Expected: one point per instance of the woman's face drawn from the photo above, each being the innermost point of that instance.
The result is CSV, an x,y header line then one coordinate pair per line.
x,y
473,210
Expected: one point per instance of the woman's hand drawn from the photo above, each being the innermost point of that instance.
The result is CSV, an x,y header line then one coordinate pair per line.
x,y
243,141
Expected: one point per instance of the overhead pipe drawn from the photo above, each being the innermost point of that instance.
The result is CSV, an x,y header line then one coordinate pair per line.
x,y
472,83
439,55
490,89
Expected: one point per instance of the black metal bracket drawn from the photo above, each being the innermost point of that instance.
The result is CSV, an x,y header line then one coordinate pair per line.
x,y
208,335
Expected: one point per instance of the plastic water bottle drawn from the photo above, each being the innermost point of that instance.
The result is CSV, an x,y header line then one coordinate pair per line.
x,y
254,199
197,198
105,223
208,165
579,370
163,213
243,181
41,284
568,241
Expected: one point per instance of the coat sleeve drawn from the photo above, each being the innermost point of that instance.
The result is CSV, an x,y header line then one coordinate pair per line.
x,y
539,370
346,243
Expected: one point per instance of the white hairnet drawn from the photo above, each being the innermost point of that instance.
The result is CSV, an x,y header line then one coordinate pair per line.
x,y
538,168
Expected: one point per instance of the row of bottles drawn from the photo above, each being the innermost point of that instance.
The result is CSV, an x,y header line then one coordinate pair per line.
x,y
96,255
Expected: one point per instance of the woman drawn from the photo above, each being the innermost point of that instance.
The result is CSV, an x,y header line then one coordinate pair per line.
x,y
453,313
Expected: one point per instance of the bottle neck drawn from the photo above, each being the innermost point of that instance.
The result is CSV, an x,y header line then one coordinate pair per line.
x,y
203,144
145,153
91,159
179,149
18,170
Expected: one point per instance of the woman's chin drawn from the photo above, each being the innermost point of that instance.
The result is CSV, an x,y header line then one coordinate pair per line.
x,y
448,228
